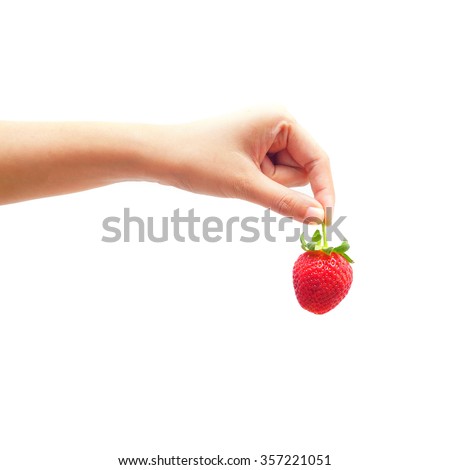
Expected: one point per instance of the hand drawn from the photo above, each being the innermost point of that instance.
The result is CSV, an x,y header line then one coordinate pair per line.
x,y
255,155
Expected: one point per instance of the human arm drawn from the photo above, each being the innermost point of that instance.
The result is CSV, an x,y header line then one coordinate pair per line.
x,y
256,155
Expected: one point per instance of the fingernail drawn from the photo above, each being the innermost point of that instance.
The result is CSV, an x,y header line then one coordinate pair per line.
x,y
314,215
329,215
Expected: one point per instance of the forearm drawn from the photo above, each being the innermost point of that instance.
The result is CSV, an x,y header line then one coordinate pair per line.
x,y
256,155
46,159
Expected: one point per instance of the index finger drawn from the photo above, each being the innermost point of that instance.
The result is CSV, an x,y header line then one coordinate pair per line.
x,y
315,161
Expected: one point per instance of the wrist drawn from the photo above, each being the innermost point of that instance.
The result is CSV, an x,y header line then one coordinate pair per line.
x,y
155,153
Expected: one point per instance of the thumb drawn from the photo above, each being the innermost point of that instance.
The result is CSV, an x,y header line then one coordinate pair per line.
x,y
285,201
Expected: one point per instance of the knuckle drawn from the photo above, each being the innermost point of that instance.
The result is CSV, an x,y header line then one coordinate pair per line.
x,y
281,112
285,205
319,158
275,113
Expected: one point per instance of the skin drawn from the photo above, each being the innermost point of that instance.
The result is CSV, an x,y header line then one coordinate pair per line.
x,y
256,155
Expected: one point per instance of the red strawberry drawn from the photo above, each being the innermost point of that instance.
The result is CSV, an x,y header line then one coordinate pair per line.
x,y
323,275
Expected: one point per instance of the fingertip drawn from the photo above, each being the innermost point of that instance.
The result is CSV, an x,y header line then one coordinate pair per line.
x,y
314,215
327,203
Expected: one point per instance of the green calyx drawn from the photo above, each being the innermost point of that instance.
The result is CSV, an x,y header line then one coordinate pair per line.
x,y
319,242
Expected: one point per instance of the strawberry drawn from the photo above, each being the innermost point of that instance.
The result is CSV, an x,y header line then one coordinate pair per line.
x,y
323,275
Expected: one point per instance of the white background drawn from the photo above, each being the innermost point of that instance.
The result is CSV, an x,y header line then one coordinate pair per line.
x,y
115,350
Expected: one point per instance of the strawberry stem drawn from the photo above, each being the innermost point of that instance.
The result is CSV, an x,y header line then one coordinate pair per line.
x,y
319,242
324,235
